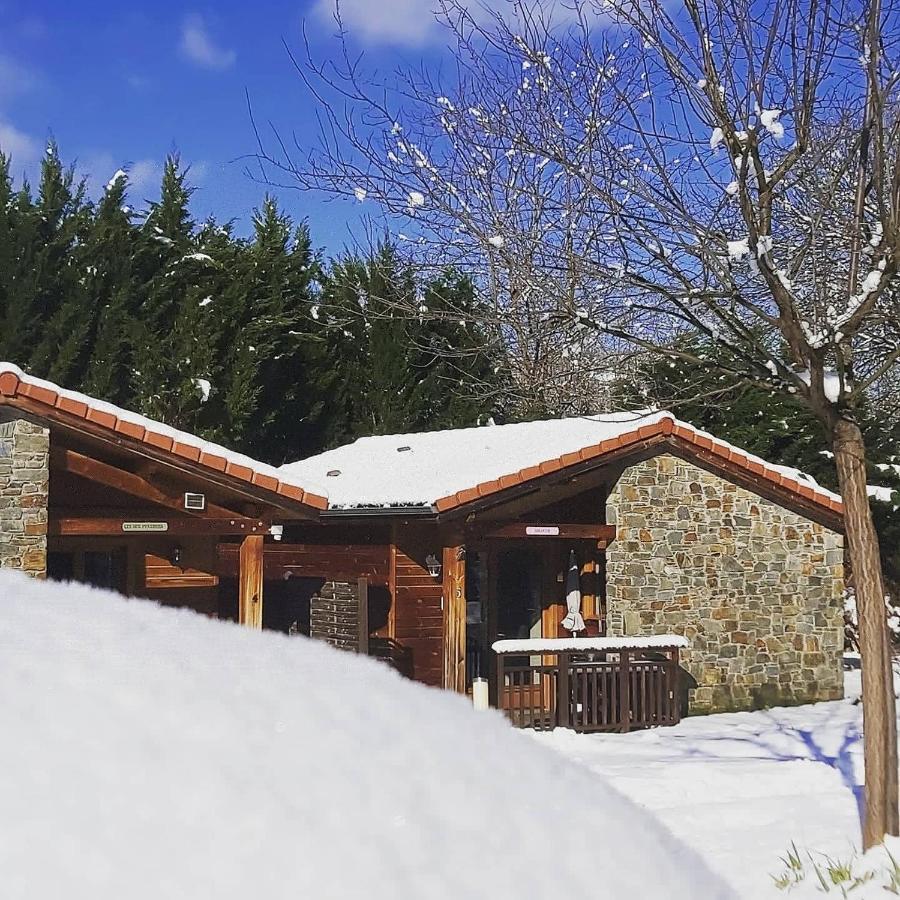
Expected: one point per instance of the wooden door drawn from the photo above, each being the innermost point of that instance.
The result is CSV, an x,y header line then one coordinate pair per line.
x,y
531,604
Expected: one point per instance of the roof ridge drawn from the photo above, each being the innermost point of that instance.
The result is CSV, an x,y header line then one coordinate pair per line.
x,y
593,417
666,426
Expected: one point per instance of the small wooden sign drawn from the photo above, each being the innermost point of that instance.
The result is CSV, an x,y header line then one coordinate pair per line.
x,y
602,534
144,526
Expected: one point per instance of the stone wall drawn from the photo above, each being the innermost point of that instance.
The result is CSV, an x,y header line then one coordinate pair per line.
x,y
24,487
754,587
334,615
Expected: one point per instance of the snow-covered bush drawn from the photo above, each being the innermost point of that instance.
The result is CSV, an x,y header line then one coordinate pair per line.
x,y
851,621
154,754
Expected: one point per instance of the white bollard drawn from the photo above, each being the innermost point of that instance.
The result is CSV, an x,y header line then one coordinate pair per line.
x,y
480,693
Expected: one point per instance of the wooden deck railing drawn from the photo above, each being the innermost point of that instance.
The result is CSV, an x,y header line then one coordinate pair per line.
x,y
589,689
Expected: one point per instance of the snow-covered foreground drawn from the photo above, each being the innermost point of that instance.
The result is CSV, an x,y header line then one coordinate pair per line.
x,y
740,787
152,753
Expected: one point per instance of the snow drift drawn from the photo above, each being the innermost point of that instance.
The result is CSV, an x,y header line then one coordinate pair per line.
x,y
152,753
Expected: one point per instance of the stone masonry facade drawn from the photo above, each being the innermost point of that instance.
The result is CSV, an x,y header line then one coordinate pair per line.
x,y
755,588
24,489
334,615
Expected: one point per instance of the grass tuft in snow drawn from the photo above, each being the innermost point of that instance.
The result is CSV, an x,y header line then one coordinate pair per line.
x,y
858,876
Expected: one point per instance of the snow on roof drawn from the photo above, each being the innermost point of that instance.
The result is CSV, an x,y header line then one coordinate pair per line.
x,y
219,457
134,763
421,469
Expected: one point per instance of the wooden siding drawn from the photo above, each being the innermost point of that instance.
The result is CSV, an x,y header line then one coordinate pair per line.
x,y
418,613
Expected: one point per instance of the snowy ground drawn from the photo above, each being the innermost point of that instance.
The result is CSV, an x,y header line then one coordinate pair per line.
x,y
740,787
153,754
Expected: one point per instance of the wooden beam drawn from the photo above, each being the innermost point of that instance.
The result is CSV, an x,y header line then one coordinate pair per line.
x,y
250,581
334,562
602,534
454,567
127,526
127,482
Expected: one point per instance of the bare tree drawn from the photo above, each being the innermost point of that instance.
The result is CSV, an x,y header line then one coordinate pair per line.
x,y
639,173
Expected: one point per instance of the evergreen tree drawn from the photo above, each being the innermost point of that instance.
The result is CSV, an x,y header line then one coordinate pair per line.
x,y
114,292
46,303
172,353
279,369
403,373
9,251
251,342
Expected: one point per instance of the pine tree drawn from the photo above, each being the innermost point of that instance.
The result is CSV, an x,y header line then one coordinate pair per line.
x,y
250,342
114,293
401,372
172,351
10,250
282,372
46,302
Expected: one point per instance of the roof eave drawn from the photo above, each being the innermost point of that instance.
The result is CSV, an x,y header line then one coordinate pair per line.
x,y
57,409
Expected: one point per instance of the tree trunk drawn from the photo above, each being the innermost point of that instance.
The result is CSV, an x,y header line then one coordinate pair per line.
x,y
879,716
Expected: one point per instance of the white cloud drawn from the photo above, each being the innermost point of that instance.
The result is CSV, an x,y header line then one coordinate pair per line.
x,y
143,174
23,148
411,22
198,46
408,22
15,77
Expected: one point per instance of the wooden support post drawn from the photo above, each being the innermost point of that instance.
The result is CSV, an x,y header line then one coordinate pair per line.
x,y
562,690
624,692
250,579
454,600
672,688
362,596
501,675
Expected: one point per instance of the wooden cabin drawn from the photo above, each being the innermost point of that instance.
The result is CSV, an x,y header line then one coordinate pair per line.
x,y
428,549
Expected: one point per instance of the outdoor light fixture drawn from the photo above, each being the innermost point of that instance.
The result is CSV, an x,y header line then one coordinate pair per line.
x,y
433,565
277,532
175,556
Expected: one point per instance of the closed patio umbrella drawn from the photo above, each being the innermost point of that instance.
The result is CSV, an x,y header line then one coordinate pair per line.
x,y
573,621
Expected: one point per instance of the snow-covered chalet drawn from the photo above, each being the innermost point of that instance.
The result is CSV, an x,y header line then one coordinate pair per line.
x,y
603,573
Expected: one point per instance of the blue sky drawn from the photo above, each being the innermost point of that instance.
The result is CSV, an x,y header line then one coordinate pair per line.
x,y
120,85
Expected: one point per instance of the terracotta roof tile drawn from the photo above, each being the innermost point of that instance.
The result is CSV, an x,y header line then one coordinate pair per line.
x,y
258,478
9,383
57,401
214,461
131,429
487,487
75,407
163,441
186,451
245,473
37,393
101,417
668,429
